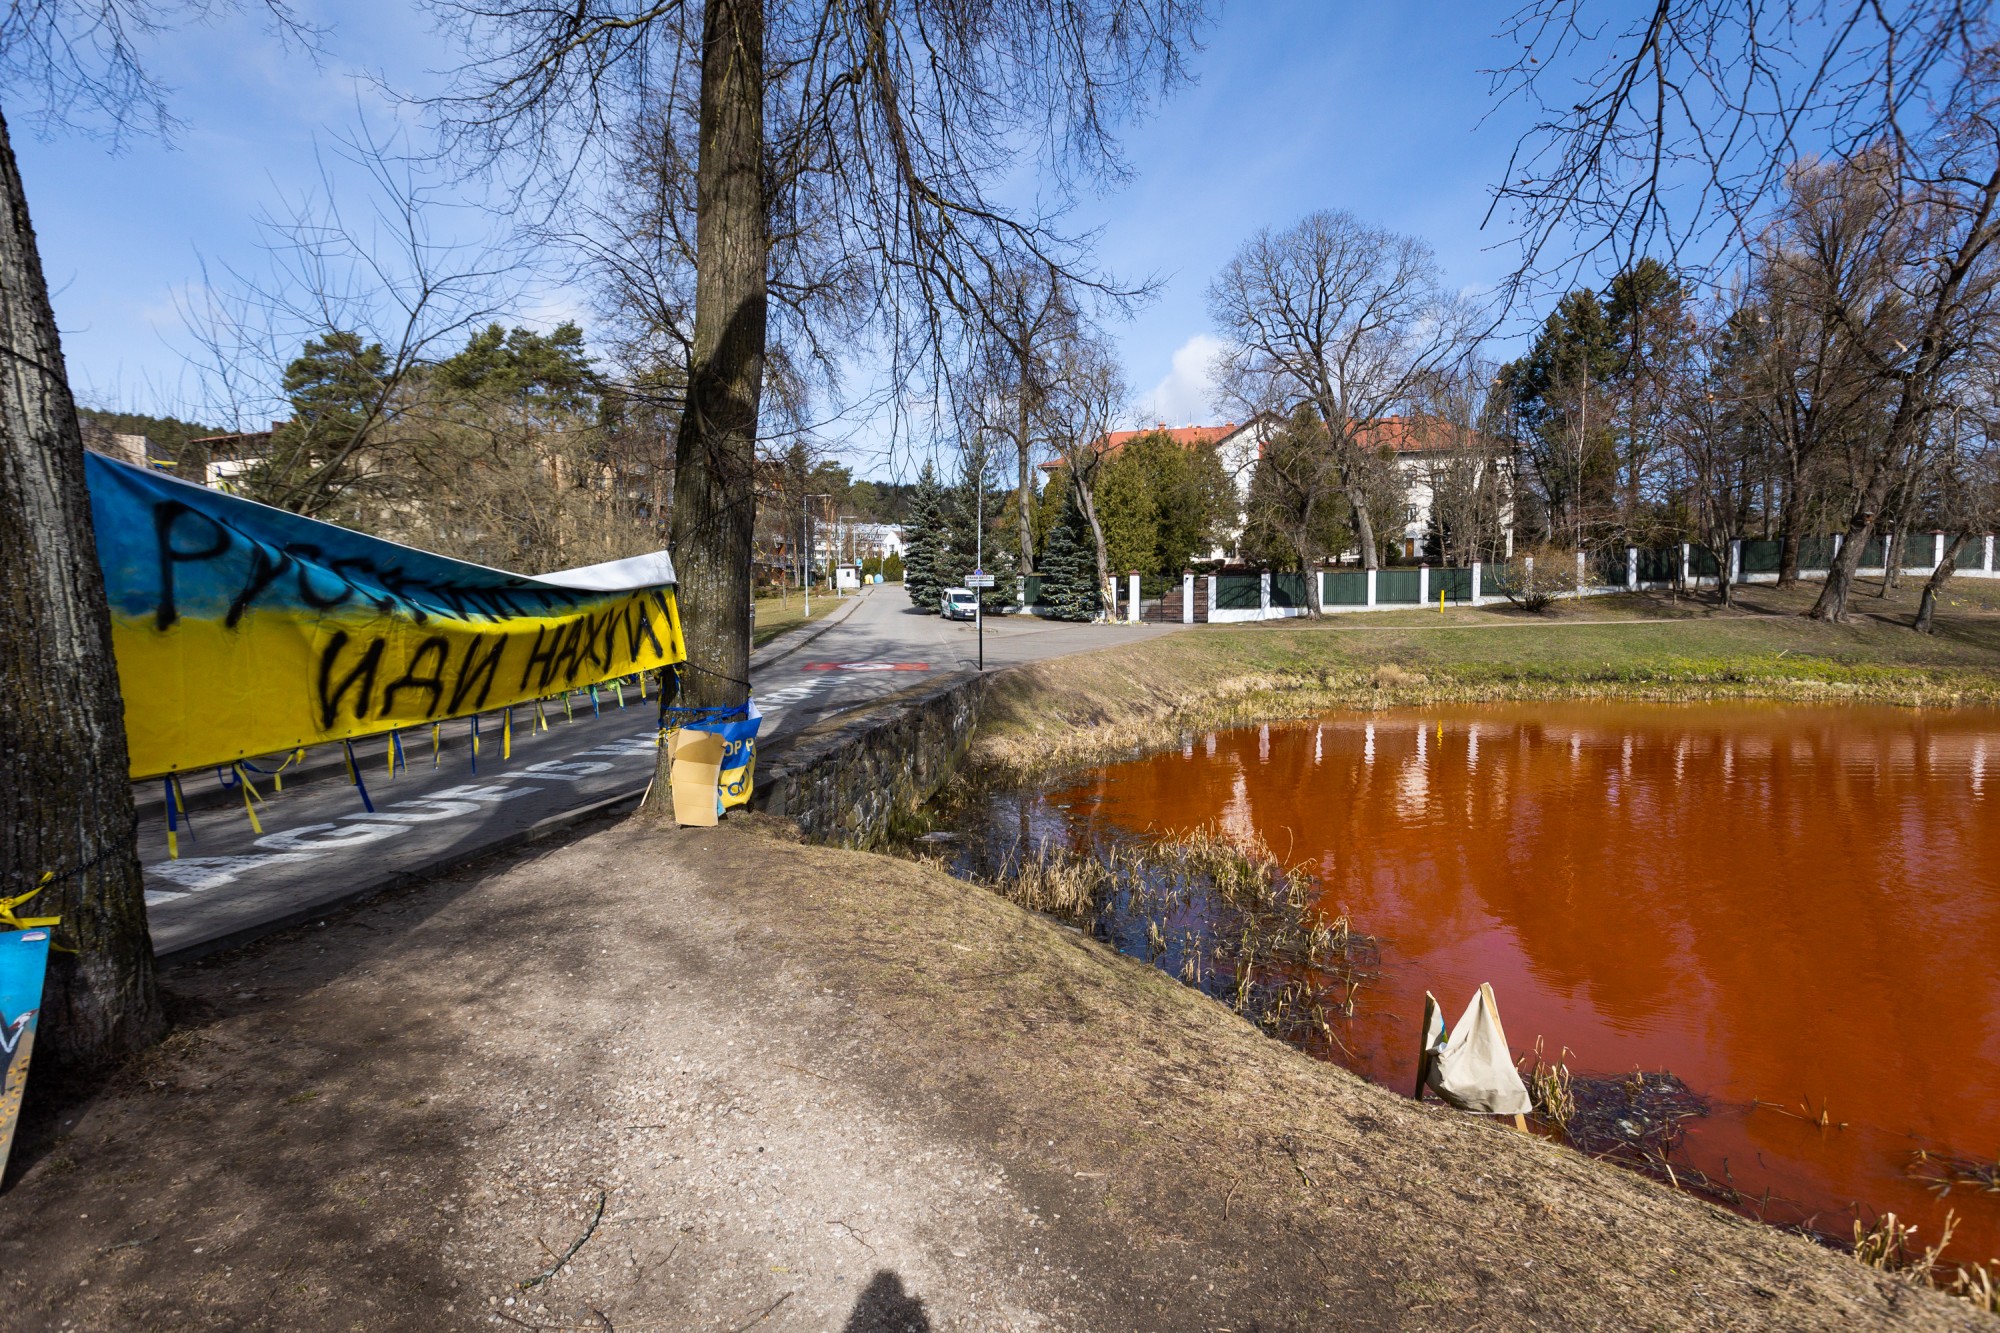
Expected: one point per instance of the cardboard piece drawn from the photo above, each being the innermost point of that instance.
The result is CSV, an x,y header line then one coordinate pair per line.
x,y
697,768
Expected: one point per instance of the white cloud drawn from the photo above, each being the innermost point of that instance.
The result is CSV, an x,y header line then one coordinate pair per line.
x,y
1185,396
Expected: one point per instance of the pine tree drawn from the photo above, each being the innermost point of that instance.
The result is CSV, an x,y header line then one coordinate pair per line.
x,y
925,542
1069,567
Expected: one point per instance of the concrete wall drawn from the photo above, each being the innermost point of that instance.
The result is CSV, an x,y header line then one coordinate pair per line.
x,y
844,781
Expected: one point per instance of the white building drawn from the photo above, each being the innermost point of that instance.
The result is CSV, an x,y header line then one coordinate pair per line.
x,y
1422,447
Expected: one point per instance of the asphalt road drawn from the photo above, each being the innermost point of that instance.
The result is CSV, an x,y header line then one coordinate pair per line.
x,y
320,844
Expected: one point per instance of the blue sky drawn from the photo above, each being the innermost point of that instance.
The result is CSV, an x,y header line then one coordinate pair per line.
x,y
1371,108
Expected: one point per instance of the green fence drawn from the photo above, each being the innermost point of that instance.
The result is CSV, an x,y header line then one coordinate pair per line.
x,y
1033,590
1816,552
1290,591
1239,592
1455,584
1761,556
1494,578
1660,566
1702,563
1972,553
1393,586
1344,587
1607,567
1871,554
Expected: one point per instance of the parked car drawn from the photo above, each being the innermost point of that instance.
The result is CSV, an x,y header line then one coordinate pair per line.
x,y
960,604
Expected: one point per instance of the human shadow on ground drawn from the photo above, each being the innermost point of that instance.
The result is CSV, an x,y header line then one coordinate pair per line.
x,y
885,1307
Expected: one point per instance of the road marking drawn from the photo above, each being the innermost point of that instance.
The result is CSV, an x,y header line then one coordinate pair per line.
x,y
866,666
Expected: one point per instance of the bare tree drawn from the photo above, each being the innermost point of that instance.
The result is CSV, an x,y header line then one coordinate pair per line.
x,y
1344,316
66,817
370,290
1670,131
1468,468
1802,376
1088,393
1715,441
1965,496
1903,250
882,129
1027,317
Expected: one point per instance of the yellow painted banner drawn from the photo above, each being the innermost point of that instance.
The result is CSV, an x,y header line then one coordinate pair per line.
x,y
243,630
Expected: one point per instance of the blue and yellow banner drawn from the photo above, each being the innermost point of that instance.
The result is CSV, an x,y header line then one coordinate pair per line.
x,y
243,630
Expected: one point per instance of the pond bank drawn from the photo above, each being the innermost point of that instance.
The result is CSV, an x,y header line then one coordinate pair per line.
x,y
1039,720
810,1089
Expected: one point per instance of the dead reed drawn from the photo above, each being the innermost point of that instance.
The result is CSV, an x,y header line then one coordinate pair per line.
x,y
1225,915
1944,1172
1550,1086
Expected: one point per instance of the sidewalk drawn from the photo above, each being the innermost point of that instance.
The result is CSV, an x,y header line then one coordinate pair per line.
x,y
658,1079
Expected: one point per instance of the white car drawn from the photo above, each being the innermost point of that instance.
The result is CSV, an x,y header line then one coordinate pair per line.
x,y
960,604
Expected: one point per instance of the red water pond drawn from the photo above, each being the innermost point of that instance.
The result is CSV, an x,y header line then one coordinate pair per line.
x,y
1795,910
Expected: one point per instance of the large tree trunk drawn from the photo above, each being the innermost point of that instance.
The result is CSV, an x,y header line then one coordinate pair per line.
x,y
1935,585
714,513
1832,603
1791,517
65,789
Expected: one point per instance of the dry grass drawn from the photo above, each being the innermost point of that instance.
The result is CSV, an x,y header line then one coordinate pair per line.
x,y
1224,915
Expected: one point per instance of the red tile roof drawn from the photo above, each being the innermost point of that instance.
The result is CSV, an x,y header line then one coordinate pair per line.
x,y
1188,437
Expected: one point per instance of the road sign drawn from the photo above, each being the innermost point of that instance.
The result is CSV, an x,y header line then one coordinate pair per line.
x,y
977,580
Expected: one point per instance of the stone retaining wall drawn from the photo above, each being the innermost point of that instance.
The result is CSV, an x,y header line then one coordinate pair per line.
x,y
843,781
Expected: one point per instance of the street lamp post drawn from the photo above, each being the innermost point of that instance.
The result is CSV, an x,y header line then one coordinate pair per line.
x,y
805,536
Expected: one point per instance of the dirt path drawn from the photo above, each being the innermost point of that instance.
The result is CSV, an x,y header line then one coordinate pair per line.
x,y
813,1090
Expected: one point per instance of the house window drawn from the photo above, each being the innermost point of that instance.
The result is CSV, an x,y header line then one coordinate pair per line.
x,y
1410,515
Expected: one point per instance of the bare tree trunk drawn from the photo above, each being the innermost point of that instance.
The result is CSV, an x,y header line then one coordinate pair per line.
x,y
1832,603
1089,504
1026,563
714,512
65,785
1935,585
1364,528
1791,517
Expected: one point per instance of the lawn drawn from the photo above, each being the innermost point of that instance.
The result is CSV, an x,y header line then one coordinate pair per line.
x,y
772,616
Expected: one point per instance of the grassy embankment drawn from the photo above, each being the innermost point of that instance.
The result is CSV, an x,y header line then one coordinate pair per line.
x,y
1085,709
775,615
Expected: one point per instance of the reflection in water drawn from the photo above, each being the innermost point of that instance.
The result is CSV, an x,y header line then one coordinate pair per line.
x,y
1792,906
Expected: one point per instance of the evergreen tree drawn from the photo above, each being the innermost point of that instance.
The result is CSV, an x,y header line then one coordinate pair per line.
x,y
926,542
1069,566
1129,512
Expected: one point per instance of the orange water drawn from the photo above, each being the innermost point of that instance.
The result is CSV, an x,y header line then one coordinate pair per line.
x,y
1798,906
